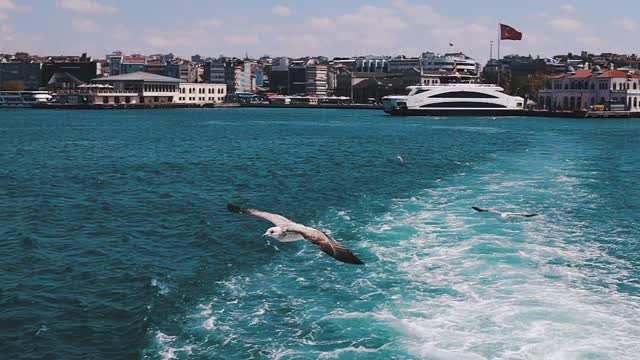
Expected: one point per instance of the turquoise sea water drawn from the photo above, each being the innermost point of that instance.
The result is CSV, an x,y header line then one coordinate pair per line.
x,y
116,243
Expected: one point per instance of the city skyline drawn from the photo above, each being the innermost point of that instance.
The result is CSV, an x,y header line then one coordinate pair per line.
x,y
332,28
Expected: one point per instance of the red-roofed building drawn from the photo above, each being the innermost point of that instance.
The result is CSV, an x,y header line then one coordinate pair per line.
x,y
579,90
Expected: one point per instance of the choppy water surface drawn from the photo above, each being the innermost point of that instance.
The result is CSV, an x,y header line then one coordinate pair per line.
x,y
116,242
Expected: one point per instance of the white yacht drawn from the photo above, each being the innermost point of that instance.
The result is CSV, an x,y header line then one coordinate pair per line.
x,y
23,99
454,99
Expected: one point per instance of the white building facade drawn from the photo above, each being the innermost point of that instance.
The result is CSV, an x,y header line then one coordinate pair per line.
x,y
200,93
144,88
579,90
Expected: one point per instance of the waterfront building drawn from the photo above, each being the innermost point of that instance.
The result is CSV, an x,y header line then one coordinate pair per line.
x,y
131,64
463,66
347,80
155,67
84,71
401,64
143,88
332,78
234,76
581,89
214,72
200,93
247,81
316,80
63,81
21,75
297,77
257,73
115,62
181,69
279,79
373,89
373,64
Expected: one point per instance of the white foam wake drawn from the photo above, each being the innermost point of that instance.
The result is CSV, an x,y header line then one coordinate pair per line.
x,y
479,287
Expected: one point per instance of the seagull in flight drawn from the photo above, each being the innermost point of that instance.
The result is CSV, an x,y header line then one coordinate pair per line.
x,y
286,230
503,214
401,160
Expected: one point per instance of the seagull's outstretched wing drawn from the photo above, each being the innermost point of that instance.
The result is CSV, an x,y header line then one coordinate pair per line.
x,y
326,243
277,220
478,209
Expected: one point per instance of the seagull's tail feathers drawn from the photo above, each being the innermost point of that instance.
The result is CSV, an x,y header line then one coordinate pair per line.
x,y
530,215
479,209
236,209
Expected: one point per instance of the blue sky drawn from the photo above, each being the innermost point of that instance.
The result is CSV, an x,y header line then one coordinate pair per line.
x,y
331,27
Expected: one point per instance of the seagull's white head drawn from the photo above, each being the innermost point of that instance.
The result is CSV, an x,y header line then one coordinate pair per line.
x,y
273,232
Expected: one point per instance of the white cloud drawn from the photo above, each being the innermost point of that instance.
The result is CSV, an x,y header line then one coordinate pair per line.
x,y
566,24
591,41
281,10
568,8
84,25
241,39
211,23
628,24
320,22
87,7
6,32
6,29
10,5
167,41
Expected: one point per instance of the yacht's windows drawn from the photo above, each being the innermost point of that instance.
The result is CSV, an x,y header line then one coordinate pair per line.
x,y
464,95
463,104
420,91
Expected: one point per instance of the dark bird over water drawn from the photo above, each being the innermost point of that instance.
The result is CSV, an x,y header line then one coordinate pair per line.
x,y
286,230
503,214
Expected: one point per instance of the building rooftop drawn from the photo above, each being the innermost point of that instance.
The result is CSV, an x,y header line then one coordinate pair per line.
x,y
139,76
582,74
616,74
134,59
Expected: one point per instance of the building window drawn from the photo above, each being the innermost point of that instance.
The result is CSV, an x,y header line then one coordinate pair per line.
x,y
155,99
614,86
105,99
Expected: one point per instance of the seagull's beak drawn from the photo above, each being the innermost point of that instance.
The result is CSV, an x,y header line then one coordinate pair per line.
x,y
263,235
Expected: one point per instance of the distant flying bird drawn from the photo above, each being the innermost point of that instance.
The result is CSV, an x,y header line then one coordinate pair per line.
x,y
450,44
286,230
503,214
400,159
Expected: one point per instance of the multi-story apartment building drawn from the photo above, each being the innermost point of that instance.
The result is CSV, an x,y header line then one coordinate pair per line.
x,y
316,80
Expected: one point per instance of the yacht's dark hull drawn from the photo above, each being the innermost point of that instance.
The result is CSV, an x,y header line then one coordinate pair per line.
x,y
455,112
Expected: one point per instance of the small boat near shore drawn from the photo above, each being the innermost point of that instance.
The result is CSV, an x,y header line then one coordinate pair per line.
x,y
454,99
23,99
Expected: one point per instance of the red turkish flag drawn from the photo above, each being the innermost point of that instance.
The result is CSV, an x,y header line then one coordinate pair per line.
x,y
509,33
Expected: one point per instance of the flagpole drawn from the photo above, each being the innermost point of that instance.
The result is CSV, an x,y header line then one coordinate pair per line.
x,y
498,61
